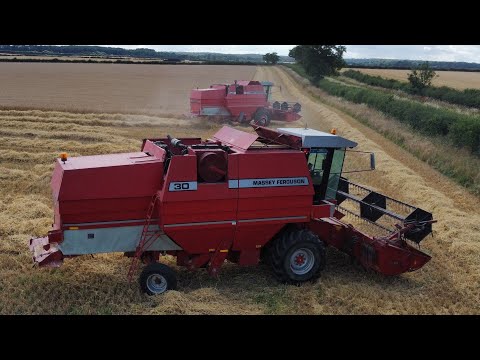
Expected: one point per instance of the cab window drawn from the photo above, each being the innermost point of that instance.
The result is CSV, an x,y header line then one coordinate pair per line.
x,y
316,165
335,173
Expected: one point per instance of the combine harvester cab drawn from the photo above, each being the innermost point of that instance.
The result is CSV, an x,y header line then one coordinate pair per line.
x,y
399,227
242,101
276,196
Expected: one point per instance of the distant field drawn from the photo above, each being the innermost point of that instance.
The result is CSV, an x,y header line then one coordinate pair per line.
x,y
455,79
120,88
73,58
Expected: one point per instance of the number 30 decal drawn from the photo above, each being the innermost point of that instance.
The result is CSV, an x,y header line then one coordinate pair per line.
x,y
183,186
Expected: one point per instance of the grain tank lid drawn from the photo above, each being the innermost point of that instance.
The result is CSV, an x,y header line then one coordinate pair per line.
x,y
235,138
315,138
109,160
216,88
248,82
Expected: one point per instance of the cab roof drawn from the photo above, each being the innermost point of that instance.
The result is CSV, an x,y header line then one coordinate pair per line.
x,y
314,138
292,137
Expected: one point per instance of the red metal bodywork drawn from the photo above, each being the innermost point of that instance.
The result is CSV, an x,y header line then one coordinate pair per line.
x,y
215,221
99,188
387,255
224,100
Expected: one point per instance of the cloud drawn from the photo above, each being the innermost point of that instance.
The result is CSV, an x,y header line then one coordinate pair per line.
x,y
468,53
225,49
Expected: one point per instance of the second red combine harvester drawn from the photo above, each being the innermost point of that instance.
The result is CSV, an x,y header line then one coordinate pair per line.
x,y
242,101
275,196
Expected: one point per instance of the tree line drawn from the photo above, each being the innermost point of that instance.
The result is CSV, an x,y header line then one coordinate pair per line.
x,y
462,129
142,53
318,61
408,64
467,97
122,61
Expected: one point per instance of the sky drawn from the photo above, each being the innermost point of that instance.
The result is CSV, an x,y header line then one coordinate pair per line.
x,y
468,53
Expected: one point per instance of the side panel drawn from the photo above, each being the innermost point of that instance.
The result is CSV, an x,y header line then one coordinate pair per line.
x,y
252,98
56,181
104,209
112,182
200,238
254,235
57,220
106,187
208,102
112,239
197,219
214,111
269,202
326,209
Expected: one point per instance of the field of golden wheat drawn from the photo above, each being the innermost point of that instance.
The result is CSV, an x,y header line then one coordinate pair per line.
x,y
109,88
455,79
30,139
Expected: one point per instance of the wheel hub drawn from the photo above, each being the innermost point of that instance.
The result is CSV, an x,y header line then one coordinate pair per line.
x,y
302,261
262,121
156,283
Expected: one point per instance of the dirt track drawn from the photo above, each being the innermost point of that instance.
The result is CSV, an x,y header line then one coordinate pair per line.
x,y
450,282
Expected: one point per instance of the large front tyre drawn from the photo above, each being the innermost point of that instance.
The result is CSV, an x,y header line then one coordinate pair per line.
x,y
157,278
297,256
262,117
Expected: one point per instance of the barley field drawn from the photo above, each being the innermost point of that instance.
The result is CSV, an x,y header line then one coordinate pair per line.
x,y
109,88
455,79
30,139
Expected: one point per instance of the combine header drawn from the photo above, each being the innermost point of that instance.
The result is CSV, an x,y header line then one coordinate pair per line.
x,y
243,101
276,196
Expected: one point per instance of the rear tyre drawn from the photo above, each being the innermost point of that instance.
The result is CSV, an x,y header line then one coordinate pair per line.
x,y
242,118
262,117
297,256
157,278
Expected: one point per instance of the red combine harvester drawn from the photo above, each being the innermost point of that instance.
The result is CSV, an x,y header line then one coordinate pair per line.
x,y
275,196
243,101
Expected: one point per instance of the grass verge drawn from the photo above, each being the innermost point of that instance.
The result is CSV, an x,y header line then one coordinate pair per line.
x,y
438,150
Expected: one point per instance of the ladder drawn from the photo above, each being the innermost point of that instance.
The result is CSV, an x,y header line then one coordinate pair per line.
x,y
147,238
221,253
